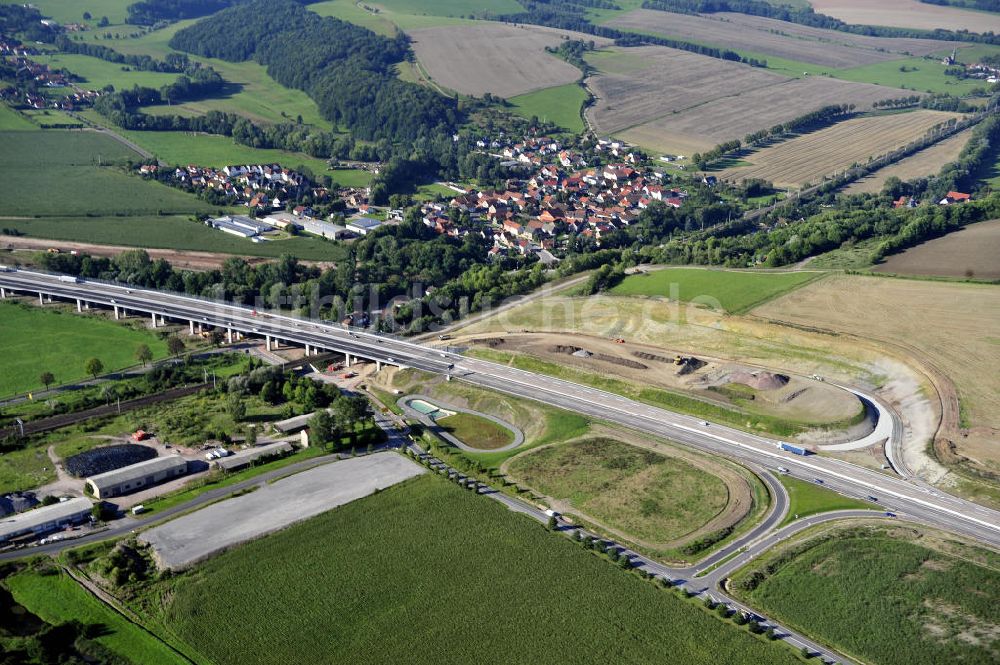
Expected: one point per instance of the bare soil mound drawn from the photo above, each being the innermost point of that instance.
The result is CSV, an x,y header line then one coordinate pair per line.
x,y
759,380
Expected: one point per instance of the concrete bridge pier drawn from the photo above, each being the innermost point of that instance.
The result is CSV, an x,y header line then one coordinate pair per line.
x,y
347,360
154,319
41,298
79,307
229,335
3,293
378,365
191,328
117,313
267,341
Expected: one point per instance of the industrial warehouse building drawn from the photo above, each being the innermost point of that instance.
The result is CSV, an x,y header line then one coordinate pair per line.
x,y
245,458
137,476
45,519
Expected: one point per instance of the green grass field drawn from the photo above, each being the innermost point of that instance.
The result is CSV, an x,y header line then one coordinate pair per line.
x,y
51,118
347,10
62,148
560,105
921,74
889,600
731,291
171,232
649,496
71,11
25,469
427,572
13,121
57,598
451,7
252,93
476,431
40,340
98,73
807,498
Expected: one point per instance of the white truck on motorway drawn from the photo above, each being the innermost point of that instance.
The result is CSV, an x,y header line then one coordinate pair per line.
x,y
70,279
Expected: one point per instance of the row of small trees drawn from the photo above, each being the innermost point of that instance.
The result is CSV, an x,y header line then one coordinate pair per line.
x,y
95,366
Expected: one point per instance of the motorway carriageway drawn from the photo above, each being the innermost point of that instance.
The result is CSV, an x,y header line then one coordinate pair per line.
x,y
909,498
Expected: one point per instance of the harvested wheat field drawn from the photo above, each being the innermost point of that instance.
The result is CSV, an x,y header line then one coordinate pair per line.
x,y
925,163
776,38
659,81
953,330
501,59
972,252
733,117
807,158
907,14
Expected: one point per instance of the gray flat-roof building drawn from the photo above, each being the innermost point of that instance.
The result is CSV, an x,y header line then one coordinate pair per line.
x,y
363,225
45,519
245,458
136,477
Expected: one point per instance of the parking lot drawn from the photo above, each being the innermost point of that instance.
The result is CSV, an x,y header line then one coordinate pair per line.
x,y
201,534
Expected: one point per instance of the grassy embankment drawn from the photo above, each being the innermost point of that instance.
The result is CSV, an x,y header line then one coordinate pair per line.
x,y
731,291
806,498
650,496
476,431
56,598
890,595
554,593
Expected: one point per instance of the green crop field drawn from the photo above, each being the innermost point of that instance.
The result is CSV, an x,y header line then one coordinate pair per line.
x,y
425,572
38,340
11,120
170,232
56,598
347,10
642,493
732,291
476,431
887,600
560,105
807,498
59,172
98,73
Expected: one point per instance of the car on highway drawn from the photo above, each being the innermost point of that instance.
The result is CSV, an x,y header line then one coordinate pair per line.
x,y
888,514
873,498
818,481
782,469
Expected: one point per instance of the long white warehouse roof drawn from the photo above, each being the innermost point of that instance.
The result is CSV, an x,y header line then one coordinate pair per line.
x,y
32,519
139,470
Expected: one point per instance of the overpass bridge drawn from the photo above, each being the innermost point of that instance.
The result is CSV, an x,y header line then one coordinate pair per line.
x,y
907,497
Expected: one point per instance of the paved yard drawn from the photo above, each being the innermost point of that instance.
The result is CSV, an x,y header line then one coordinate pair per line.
x,y
201,534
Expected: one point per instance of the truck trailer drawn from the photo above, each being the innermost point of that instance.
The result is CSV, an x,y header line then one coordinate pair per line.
x,y
795,450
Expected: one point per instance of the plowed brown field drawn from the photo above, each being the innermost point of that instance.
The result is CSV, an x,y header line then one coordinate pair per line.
x,y
807,158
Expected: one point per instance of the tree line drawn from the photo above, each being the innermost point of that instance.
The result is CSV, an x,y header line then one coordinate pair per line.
x,y
172,63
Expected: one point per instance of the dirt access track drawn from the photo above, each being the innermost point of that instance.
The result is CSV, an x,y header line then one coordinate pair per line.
x,y
795,398
187,260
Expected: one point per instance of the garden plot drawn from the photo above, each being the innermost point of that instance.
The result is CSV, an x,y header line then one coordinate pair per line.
x,y
780,39
500,59
201,534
